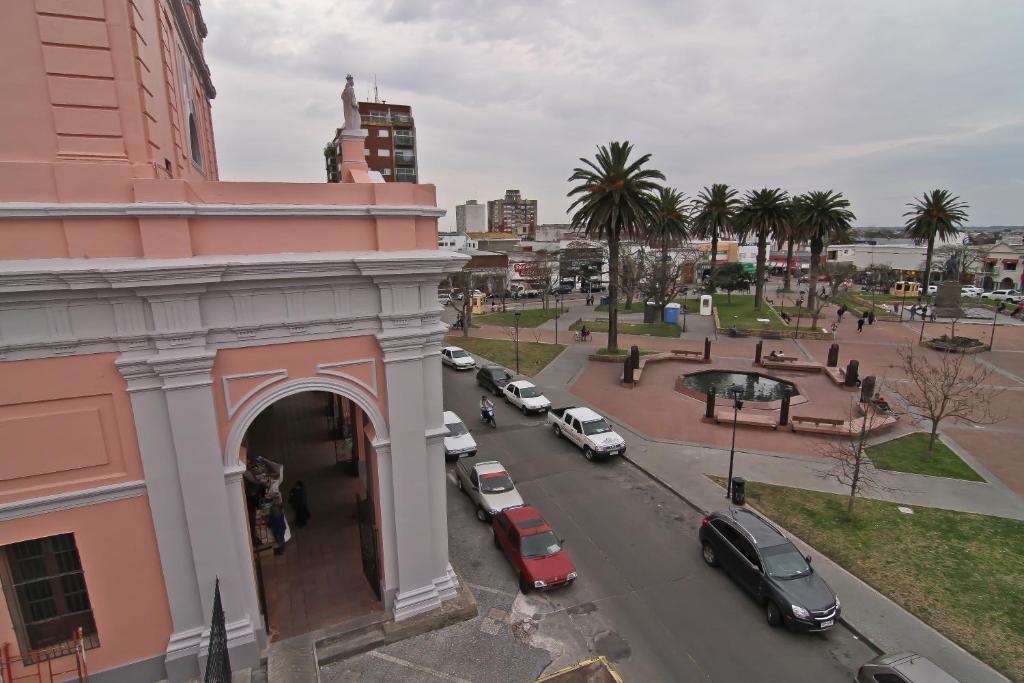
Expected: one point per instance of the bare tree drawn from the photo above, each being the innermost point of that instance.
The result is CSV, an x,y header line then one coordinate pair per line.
x,y
540,273
851,466
631,273
941,386
663,271
465,280
958,260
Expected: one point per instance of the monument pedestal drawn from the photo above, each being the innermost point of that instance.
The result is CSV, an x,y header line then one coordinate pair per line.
x,y
947,300
353,157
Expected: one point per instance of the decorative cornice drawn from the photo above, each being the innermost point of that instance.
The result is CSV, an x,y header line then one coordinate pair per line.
x,y
71,500
185,209
184,370
195,52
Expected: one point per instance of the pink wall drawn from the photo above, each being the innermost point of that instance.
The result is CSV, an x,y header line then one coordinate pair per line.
x,y
65,424
122,572
299,360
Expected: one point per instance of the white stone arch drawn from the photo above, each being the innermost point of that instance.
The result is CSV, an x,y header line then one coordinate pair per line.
x,y
271,395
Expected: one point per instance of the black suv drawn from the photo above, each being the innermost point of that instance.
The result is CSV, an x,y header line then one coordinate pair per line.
x,y
767,565
494,378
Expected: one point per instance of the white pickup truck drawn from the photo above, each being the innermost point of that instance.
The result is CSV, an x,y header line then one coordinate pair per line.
x,y
588,430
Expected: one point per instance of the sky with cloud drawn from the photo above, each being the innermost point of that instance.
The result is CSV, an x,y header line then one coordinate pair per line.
x,y
881,100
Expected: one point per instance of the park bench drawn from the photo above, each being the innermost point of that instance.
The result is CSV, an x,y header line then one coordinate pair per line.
x,y
821,425
747,419
770,334
676,354
837,375
790,364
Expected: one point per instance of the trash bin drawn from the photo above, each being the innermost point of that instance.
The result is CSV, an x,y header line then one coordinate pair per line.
x,y
672,314
650,312
604,301
739,490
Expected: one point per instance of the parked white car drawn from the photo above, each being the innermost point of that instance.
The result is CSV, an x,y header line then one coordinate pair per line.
x,y
527,397
444,299
459,443
588,430
1010,295
971,291
488,485
458,358
932,289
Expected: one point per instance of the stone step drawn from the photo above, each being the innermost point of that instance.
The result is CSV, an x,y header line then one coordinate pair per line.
x,y
355,642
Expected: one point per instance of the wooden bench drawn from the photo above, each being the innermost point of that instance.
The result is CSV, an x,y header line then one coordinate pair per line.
x,y
770,334
747,419
820,425
790,364
677,354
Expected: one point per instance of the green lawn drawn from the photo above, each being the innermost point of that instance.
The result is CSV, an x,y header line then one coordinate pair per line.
x,y
909,454
740,312
533,356
961,573
649,329
530,317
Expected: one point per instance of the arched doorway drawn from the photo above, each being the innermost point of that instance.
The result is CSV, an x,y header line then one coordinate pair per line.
x,y
987,283
1006,283
309,458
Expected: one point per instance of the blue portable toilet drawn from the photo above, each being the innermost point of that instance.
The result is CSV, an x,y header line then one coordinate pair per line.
x,y
672,314
604,301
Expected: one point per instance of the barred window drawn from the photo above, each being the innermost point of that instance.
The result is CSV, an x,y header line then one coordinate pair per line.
x,y
46,592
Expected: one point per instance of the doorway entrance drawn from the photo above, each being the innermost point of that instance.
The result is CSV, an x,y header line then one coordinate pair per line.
x,y
327,571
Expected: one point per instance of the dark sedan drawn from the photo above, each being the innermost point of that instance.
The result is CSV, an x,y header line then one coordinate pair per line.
x,y
769,567
493,378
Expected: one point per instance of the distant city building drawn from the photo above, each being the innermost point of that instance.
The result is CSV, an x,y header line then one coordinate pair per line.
x,y
513,214
551,232
390,143
470,217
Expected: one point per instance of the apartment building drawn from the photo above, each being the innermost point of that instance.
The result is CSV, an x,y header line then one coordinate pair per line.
x,y
513,214
390,143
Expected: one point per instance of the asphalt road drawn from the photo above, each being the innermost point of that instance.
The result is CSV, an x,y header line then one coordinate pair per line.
x,y
644,597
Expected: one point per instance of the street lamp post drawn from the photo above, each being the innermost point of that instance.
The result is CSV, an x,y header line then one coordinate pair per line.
x,y
558,309
736,392
799,303
685,291
517,314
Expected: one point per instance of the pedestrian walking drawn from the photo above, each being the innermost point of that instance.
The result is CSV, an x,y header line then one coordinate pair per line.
x,y
913,312
932,318
278,526
860,324
835,328
871,317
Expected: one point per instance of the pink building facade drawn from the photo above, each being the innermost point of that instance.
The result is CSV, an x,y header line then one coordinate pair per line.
x,y
149,313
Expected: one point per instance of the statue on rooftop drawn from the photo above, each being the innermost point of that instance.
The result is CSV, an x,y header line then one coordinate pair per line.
x,y
350,105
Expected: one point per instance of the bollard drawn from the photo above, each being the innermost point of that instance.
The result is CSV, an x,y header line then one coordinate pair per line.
x,y
784,413
634,355
851,374
833,355
627,370
758,350
867,389
709,411
707,350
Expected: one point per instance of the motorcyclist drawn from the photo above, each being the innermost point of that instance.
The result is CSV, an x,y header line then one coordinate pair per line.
x,y
485,405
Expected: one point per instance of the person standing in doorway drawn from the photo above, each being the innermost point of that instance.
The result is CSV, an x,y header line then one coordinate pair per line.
x,y
278,526
300,504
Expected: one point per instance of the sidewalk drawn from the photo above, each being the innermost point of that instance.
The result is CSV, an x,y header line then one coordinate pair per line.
x,y
681,467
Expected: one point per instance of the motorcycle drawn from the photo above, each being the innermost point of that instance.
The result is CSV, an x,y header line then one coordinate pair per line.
x,y
487,417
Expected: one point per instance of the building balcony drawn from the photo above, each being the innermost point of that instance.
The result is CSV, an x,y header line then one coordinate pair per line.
x,y
407,159
405,140
405,175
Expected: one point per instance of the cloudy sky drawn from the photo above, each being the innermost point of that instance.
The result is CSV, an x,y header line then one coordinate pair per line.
x,y
879,99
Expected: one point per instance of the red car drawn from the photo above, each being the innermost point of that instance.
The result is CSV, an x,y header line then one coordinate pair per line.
x,y
532,548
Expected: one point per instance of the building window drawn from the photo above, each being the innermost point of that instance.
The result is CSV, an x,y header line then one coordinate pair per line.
x,y
385,171
366,152
382,132
46,593
383,152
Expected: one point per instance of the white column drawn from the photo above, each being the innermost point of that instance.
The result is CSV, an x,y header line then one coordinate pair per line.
x,y
167,507
433,402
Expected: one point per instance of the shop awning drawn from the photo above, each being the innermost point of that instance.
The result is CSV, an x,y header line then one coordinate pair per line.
x,y
1010,261
991,260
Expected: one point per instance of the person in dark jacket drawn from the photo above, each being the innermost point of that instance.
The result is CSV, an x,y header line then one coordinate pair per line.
x,y
300,504
278,526
871,317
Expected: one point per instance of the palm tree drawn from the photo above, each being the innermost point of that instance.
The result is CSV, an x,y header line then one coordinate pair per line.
x,y
713,214
765,213
789,238
671,225
936,214
824,216
615,201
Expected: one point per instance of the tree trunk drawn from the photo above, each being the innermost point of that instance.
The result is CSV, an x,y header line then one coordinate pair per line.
x,y
714,256
931,440
467,311
786,285
817,246
928,264
613,290
762,257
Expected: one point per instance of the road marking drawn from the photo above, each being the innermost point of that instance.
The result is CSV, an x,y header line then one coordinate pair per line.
x,y
418,667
